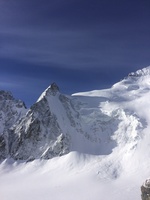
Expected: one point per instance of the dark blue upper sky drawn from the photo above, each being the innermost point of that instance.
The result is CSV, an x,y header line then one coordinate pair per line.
x,y
79,44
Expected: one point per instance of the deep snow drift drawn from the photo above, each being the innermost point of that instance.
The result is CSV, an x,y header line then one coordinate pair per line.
x,y
108,152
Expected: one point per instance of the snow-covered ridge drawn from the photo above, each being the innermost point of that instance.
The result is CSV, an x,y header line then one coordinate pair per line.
x,y
142,72
90,122
53,89
91,142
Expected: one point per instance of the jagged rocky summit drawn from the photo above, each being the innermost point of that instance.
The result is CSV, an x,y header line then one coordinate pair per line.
x,y
53,126
43,131
39,133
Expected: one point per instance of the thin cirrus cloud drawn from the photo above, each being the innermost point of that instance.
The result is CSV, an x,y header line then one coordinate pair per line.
x,y
64,48
67,49
74,34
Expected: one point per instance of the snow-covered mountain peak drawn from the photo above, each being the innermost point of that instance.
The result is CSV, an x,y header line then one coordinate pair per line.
x,y
6,98
52,90
5,95
136,82
53,87
141,72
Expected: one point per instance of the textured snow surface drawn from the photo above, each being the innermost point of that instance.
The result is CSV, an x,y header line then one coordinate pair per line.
x,y
108,146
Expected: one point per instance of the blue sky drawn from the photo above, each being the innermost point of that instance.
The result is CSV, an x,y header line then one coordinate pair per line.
x,y
79,44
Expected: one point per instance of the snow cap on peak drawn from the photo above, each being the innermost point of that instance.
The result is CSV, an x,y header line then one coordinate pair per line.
x,y
141,72
54,87
52,90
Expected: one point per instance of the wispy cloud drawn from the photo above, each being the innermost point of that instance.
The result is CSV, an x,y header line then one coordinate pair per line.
x,y
61,48
72,49
74,34
4,84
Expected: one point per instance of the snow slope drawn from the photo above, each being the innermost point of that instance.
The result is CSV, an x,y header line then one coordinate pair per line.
x,y
107,159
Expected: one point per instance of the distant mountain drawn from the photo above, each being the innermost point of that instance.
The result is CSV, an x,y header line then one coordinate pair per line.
x,y
99,122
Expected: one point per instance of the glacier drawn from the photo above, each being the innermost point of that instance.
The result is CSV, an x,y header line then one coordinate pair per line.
x,y
79,146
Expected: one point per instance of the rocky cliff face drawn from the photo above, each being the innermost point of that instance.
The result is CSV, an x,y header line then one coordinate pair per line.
x,y
11,110
45,130
39,134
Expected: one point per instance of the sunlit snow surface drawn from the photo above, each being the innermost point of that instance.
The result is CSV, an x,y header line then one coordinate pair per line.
x,y
115,172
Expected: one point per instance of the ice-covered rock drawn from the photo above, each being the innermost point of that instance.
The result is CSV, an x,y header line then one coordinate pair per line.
x,y
141,72
39,134
11,110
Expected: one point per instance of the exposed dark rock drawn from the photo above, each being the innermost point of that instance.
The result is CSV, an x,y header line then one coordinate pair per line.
x,y
145,190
